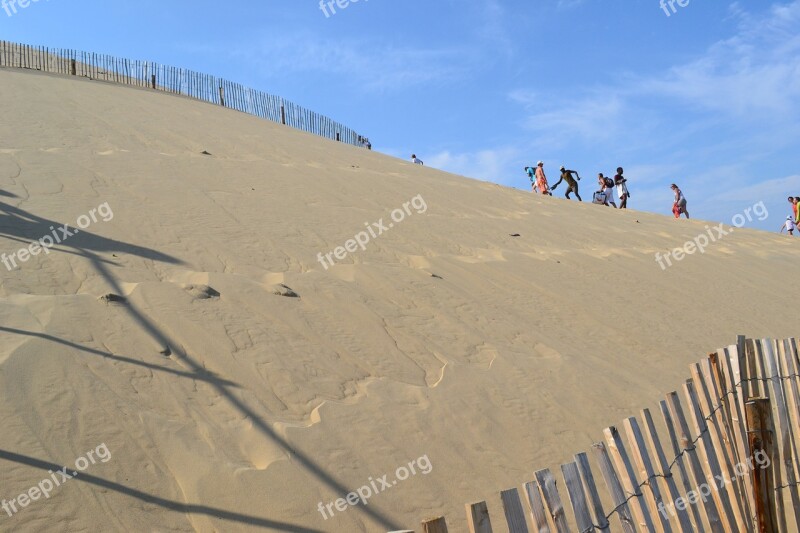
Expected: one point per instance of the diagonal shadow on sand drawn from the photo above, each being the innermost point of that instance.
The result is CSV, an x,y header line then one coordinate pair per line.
x,y
18,224
186,508
206,376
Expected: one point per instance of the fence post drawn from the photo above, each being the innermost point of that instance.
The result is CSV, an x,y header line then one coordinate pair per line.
x,y
434,525
338,136
222,96
283,115
760,439
73,67
153,81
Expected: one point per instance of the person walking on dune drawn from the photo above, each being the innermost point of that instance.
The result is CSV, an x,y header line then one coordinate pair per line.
x,y
605,195
622,189
531,172
541,179
795,209
679,207
797,213
572,185
416,160
789,226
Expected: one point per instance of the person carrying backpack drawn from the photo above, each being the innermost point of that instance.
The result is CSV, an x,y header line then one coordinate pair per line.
x,y
605,195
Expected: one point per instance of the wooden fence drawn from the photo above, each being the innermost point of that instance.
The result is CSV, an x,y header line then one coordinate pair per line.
x,y
148,74
735,467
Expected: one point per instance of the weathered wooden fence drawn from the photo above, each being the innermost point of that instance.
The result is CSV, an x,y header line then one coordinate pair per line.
x,y
148,74
733,441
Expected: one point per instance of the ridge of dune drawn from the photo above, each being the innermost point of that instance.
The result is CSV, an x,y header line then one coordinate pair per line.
x,y
284,384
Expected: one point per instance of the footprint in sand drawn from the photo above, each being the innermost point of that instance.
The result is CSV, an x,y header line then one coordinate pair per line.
x,y
201,292
546,352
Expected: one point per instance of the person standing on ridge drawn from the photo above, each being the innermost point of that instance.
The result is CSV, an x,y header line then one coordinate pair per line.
x,y
679,207
572,185
622,189
541,179
416,160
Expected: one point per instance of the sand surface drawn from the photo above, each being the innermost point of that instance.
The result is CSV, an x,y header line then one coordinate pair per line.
x,y
490,356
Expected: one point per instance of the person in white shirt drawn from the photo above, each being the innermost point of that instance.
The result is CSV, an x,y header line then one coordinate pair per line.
x,y
679,207
789,226
622,189
416,160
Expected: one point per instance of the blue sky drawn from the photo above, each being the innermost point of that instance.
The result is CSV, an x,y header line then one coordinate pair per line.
x,y
707,97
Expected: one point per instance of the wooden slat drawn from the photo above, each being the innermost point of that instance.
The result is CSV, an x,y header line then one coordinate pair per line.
x,y
683,521
710,461
515,516
719,394
760,434
582,461
784,444
478,518
755,371
790,389
538,514
575,491
552,500
434,525
689,450
646,473
730,361
719,440
777,466
628,478
623,511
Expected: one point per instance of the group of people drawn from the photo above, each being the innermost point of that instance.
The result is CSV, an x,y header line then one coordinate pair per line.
x,y
609,188
612,190
793,220
617,187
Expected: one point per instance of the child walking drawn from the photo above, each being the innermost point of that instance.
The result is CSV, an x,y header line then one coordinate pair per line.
x,y
789,226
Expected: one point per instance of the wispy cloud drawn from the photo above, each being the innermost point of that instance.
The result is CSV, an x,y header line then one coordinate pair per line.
x,y
592,117
370,67
743,92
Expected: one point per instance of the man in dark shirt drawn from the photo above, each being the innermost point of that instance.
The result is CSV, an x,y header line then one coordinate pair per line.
x,y
572,185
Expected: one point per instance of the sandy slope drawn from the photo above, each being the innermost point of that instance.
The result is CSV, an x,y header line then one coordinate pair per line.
x,y
513,359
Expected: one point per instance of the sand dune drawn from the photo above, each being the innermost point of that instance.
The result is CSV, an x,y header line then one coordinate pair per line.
x,y
228,405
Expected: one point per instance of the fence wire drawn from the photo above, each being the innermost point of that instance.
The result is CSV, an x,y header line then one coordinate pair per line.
x,y
689,448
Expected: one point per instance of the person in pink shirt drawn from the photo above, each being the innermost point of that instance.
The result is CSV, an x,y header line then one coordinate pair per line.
x,y
541,179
